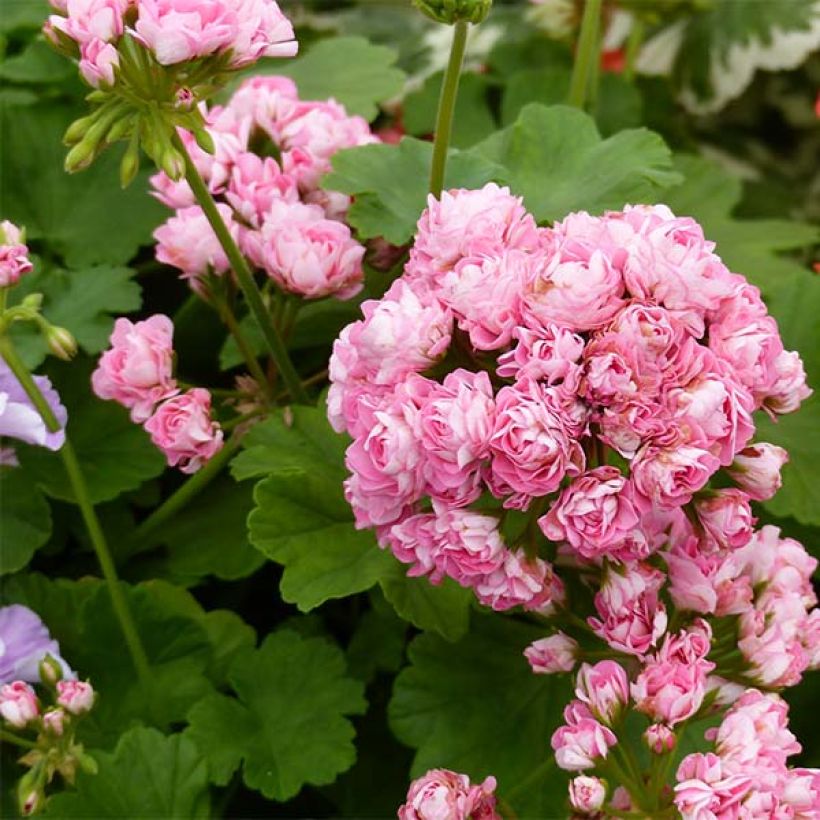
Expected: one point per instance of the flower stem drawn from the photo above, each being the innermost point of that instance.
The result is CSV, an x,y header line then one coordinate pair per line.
x,y
633,46
9,737
276,347
587,54
191,488
446,107
83,500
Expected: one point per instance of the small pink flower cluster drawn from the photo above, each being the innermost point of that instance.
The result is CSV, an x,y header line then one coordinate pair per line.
x,y
747,775
137,372
510,359
444,795
20,706
282,221
14,261
236,32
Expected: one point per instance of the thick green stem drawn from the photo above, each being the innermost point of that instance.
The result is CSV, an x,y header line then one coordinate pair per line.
x,y
276,347
587,54
446,107
191,488
633,47
83,500
8,737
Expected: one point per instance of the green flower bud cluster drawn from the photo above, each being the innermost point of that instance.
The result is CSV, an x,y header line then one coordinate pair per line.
x,y
454,11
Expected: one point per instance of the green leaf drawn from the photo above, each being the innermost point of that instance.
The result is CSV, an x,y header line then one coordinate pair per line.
x,y
555,157
82,301
444,608
547,85
353,71
26,519
114,453
209,536
86,218
303,521
476,707
377,644
288,725
37,63
22,14
390,184
147,775
472,120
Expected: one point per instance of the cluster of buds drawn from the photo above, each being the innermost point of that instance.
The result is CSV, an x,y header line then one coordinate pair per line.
x,y
137,373
441,794
148,61
271,149
44,719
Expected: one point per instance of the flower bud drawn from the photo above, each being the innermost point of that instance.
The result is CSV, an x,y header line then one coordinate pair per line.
x,y
75,696
172,163
204,140
50,670
61,343
77,130
557,653
454,11
81,155
54,722
87,763
32,302
587,794
756,469
604,687
660,738
18,704
130,164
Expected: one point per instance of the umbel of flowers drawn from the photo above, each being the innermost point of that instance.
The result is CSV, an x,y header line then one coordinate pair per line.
x,y
582,396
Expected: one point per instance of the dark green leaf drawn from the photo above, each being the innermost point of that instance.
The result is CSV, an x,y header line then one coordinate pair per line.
x,y
148,775
37,63
477,708
377,644
289,724
26,519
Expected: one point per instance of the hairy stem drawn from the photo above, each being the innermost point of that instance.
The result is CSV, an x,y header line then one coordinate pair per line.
x,y
587,55
446,107
273,341
83,500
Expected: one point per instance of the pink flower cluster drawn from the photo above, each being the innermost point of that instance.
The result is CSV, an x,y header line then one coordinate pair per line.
x,y
748,775
283,222
14,261
444,795
137,372
234,32
495,377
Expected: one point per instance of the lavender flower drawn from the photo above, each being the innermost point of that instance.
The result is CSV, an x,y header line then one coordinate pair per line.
x,y
24,642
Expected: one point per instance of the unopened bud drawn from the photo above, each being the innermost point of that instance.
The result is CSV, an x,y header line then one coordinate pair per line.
x,y
87,763
184,98
204,140
50,669
130,164
77,130
454,11
34,301
61,343
121,128
75,696
660,738
172,163
30,790
54,722
81,156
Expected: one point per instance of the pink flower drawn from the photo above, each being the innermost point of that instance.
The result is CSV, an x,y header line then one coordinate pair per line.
x,y
604,687
587,794
789,386
75,696
631,615
706,790
89,20
312,258
266,102
188,242
659,738
756,469
137,370
726,516
551,355
54,721
18,704
183,429
532,448
594,513
669,477
669,692
580,745
445,795
262,31
557,653
98,62
517,582
255,184
14,261
465,223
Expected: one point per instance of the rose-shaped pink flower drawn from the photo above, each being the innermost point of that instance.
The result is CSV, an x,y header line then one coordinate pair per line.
x,y
18,704
557,653
756,469
14,261
659,738
581,745
256,183
262,31
789,388
517,582
705,789
551,355
183,429
441,794
469,547
75,696
669,477
98,63
89,20
726,516
594,514
587,794
137,370
604,687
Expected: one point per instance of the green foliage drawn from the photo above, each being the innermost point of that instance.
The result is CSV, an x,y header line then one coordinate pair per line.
x,y
86,219
390,183
351,70
288,725
555,157
82,301
148,774
114,453
26,519
476,707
